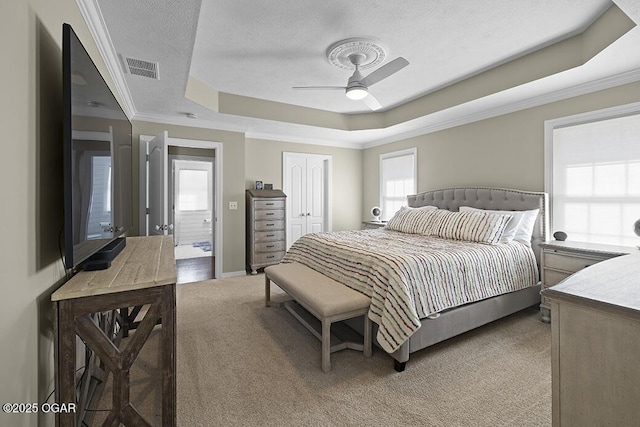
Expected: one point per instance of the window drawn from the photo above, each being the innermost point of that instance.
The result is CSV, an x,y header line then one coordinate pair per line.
x,y
193,186
397,180
593,176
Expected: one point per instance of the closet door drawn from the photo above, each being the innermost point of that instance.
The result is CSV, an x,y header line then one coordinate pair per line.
x,y
295,187
305,182
316,201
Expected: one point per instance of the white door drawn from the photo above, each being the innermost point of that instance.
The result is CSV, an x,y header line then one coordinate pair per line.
x,y
316,200
295,185
157,220
306,184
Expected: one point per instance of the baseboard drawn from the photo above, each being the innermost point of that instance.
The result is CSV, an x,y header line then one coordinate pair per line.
x,y
234,274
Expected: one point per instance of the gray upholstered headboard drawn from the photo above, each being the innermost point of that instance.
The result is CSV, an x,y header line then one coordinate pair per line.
x,y
490,198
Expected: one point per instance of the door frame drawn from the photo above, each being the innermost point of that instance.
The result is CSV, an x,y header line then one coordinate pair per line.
x,y
172,186
328,162
217,191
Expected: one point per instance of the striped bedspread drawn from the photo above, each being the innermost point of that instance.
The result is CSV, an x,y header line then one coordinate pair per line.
x,y
410,276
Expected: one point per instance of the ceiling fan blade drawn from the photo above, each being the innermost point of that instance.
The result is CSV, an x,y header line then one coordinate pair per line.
x,y
318,87
371,102
385,71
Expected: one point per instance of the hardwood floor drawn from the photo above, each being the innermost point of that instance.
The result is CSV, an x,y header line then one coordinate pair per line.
x,y
195,269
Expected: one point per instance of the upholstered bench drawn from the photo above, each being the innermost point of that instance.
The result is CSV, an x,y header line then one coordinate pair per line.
x,y
327,300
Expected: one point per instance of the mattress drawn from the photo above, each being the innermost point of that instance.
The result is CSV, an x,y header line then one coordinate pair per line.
x,y
410,276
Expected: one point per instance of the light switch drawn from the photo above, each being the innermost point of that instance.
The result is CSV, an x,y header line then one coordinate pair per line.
x,y
233,206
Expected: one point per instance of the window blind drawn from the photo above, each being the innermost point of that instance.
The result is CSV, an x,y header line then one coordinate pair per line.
x,y
595,193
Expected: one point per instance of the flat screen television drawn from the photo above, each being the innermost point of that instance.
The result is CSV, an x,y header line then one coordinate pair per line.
x,y
97,162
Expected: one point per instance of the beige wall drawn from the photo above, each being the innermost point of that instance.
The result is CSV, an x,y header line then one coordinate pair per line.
x,y
31,176
505,151
233,179
263,162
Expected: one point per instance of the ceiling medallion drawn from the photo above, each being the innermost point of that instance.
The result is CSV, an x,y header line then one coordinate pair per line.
x,y
370,49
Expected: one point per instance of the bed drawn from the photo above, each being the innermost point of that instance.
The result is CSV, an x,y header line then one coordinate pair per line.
x,y
428,286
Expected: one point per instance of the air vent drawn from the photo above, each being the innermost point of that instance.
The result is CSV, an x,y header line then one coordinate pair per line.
x,y
140,67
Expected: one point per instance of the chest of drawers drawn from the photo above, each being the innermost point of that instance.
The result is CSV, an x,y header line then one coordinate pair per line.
x,y
266,228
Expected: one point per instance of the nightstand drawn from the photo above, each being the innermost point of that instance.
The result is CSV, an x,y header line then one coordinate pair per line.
x,y
562,259
367,225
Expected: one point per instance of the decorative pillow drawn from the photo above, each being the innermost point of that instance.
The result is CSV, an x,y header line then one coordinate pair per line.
x,y
411,220
471,226
512,226
520,227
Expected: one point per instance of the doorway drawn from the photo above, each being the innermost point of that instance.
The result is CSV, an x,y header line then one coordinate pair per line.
x,y
180,194
191,205
190,208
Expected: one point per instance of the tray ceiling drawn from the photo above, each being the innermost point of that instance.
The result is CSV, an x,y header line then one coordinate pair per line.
x,y
233,63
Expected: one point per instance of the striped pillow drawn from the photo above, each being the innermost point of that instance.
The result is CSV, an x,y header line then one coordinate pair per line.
x,y
412,220
470,226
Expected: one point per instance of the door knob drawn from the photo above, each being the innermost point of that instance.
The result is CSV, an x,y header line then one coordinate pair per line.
x,y
308,213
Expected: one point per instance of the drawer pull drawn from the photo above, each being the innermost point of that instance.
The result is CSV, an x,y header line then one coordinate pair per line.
x,y
270,246
271,256
270,235
269,213
270,225
269,204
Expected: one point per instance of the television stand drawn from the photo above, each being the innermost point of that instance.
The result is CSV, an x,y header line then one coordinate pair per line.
x,y
101,260
143,275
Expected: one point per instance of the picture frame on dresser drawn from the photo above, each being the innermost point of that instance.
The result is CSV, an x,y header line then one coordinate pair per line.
x,y
560,259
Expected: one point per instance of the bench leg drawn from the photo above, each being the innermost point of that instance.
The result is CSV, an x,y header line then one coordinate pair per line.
x,y
367,336
267,290
326,345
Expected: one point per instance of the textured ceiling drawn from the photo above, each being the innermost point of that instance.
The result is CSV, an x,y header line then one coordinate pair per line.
x,y
262,49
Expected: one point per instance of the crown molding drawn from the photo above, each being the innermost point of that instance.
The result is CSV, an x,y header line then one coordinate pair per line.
x,y
270,136
435,124
92,15
187,122
536,101
304,140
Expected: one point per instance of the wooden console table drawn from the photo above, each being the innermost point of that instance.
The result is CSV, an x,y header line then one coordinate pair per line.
x,y
143,274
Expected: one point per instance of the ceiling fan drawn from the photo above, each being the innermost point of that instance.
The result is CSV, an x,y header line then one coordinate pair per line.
x,y
356,56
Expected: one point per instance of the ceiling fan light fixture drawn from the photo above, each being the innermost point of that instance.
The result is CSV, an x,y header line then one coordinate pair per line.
x,y
357,93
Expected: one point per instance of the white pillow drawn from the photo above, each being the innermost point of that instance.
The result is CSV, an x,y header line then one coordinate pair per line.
x,y
520,227
525,229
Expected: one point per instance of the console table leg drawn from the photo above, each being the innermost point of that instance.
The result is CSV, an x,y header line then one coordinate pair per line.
x,y
169,416
66,361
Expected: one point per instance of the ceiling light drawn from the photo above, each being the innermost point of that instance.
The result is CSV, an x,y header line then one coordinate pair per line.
x,y
357,93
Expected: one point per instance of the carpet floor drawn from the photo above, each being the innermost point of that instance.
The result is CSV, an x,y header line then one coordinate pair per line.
x,y
240,363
